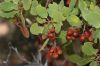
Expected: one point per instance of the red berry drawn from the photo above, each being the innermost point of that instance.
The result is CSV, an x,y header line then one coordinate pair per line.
x,y
52,49
59,50
68,38
87,34
73,38
53,39
54,52
67,2
82,37
90,39
51,36
70,33
55,55
75,34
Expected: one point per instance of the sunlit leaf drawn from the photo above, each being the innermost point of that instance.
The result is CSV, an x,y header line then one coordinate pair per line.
x,y
36,29
33,7
80,61
8,14
41,11
93,63
40,20
58,27
62,36
8,6
53,8
16,1
74,21
96,34
88,49
45,43
26,4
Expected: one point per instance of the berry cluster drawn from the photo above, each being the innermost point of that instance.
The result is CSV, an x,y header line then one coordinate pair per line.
x,y
72,34
86,36
51,35
54,52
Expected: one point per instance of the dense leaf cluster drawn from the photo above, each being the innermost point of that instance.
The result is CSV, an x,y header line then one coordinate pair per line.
x,y
85,12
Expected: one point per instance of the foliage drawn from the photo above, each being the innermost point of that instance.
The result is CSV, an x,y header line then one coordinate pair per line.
x,y
78,15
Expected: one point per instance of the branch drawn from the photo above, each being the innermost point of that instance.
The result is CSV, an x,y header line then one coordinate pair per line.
x,y
8,56
18,54
22,58
47,3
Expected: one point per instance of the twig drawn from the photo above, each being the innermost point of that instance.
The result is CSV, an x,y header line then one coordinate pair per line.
x,y
46,63
97,59
55,43
9,54
47,2
22,58
18,54
84,28
38,61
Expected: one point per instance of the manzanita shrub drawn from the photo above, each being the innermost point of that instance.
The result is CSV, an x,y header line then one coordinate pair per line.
x,y
70,29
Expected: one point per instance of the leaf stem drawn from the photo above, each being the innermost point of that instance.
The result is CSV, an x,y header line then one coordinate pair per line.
x,y
47,3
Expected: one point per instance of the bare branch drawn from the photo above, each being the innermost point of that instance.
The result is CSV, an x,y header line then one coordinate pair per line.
x,y
18,54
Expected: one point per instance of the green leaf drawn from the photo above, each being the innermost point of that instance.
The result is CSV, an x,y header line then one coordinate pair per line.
x,y
8,14
88,49
72,4
27,4
7,0
33,7
36,29
46,29
8,6
74,21
62,36
16,1
61,4
80,61
58,27
65,11
92,16
55,13
35,3
33,11
44,44
82,5
92,5
85,60
40,20
75,11
74,58
96,34
53,8
58,17
41,11
93,63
